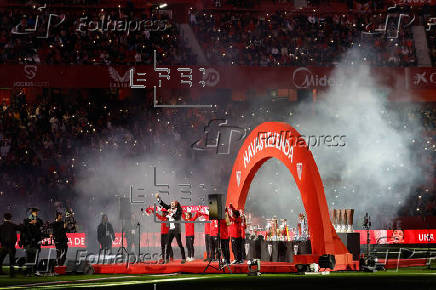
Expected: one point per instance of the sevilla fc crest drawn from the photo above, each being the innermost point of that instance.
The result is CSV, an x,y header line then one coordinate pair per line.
x,y
238,177
299,169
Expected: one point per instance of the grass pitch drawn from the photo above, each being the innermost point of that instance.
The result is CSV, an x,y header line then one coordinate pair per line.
x,y
411,278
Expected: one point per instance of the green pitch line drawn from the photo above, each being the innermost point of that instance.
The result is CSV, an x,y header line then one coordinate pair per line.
x,y
412,278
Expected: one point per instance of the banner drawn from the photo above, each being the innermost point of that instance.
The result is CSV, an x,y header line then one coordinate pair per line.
x,y
189,77
398,236
186,208
75,240
421,77
415,2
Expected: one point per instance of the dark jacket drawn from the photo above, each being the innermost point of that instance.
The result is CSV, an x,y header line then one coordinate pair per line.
x,y
8,234
105,235
31,234
59,233
177,215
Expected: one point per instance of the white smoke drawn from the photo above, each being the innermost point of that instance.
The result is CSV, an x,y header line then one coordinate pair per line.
x,y
374,172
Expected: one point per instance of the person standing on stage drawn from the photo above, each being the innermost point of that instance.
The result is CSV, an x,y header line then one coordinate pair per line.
x,y
214,240
235,234
174,214
243,228
207,238
164,229
224,236
8,239
60,238
189,233
105,234
30,239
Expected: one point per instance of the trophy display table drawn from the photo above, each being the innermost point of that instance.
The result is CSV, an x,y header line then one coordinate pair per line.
x,y
276,251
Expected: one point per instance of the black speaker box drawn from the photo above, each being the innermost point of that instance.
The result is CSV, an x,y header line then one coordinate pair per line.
x,y
327,261
352,242
20,261
216,206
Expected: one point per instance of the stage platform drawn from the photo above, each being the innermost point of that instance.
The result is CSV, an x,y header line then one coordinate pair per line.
x,y
195,267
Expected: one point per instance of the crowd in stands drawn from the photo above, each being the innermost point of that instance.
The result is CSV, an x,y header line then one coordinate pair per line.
x,y
89,36
430,28
279,38
284,39
44,145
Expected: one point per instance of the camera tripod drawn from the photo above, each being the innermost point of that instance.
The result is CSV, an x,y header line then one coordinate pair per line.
x,y
219,252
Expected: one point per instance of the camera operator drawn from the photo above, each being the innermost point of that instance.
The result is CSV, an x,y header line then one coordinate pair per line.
x,y
30,239
8,239
60,239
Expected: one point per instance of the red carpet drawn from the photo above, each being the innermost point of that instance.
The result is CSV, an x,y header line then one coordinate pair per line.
x,y
196,267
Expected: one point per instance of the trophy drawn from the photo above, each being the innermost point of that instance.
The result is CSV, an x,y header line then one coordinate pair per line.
x,y
334,219
274,228
268,229
247,248
338,220
270,248
302,228
350,213
295,249
343,221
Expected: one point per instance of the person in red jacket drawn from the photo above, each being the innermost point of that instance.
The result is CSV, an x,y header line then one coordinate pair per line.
x,y
164,228
214,240
207,237
235,234
243,228
224,239
189,233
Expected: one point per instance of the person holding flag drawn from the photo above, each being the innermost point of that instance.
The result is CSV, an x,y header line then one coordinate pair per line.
x,y
164,229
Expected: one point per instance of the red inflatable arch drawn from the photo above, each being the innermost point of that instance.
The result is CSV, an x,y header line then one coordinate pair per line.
x,y
281,141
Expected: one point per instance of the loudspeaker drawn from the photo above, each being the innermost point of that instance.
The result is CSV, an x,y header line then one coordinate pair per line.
x,y
83,268
20,261
46,265
327,261
301,268
125,209
216,207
